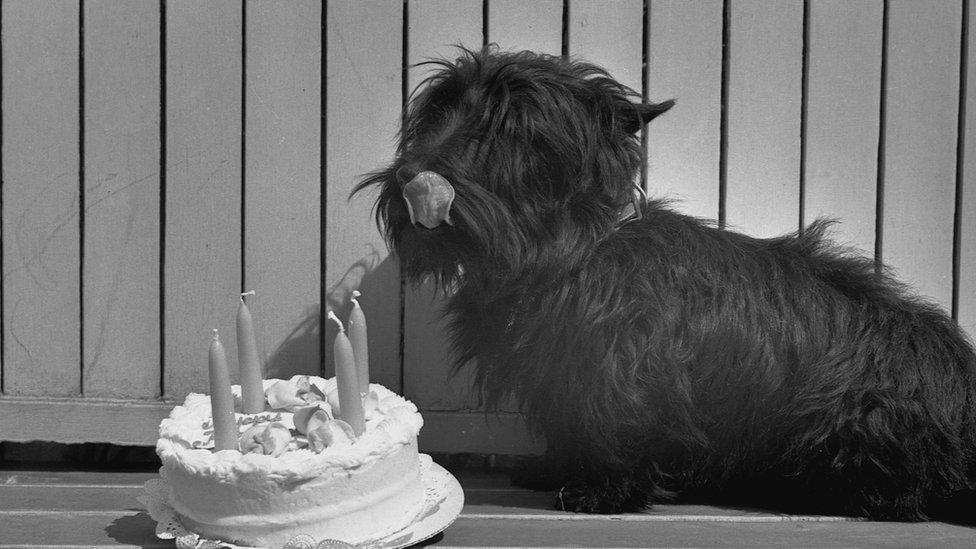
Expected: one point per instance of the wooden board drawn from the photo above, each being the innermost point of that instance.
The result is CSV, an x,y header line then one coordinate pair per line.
x,y
38,509
517,25
843,118
966,202
121,241
202,224
683,144
920,144
41,225
77,420
764,97
609,33
435,26
282,186
364,98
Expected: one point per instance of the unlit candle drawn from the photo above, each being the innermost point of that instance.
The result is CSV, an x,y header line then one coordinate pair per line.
x,y
358,339
347,381
252,389
221,398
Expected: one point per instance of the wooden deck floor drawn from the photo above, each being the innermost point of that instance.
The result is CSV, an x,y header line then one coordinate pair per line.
x,y
90,509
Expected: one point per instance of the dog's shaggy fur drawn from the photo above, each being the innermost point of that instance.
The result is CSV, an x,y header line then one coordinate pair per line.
x,y
663,355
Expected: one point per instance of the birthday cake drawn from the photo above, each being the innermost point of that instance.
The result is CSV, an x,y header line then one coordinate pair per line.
x,y
298,469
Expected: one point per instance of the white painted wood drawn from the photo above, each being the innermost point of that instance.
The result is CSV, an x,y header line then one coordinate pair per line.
x,y
364,97
202,227
282,187
764,97
41,225
436,28
843,118
517,25
920,144
608,33
683,143
121,241
77,420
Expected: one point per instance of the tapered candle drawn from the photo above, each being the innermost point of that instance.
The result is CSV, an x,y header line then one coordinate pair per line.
x,y
347,381
221,398
252,390
357,337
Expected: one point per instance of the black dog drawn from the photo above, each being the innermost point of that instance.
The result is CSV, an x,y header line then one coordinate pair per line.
x,y
655,352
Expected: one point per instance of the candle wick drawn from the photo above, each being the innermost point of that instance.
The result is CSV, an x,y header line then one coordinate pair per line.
x,y
244,294
355,294
333,316
216,335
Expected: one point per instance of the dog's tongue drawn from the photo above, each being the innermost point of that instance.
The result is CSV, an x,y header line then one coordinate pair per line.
x,y
429,197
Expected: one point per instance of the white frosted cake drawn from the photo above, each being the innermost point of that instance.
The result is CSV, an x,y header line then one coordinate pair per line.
x,y
298,470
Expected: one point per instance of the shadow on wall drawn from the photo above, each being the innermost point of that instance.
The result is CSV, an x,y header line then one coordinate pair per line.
x,y
378,279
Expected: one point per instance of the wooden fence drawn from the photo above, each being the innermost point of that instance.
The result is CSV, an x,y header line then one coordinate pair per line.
x,y
160,156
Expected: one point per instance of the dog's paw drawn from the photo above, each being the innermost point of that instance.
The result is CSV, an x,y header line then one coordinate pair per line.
x,y
605,498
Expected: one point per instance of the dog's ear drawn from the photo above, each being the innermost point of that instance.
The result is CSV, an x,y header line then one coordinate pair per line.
x,y
637,115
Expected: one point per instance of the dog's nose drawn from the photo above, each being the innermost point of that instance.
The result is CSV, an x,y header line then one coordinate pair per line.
x,y
429,197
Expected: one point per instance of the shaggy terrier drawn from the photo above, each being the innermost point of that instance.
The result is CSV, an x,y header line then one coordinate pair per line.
x,y
656,353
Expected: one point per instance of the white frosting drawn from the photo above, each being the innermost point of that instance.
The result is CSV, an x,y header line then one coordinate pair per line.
x,y
348,491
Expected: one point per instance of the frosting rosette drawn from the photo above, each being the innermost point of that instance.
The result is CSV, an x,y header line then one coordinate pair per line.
x,y
294,393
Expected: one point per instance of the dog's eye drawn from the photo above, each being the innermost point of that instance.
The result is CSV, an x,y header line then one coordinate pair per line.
x,y
404,175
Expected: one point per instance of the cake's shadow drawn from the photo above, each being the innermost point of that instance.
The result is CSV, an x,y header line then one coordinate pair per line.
x,y
436,538
138,529
307,350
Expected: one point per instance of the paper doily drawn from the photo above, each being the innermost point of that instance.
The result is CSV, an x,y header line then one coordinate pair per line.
x,y
442,504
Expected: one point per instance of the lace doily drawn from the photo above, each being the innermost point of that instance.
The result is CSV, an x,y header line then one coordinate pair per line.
x,y
442,504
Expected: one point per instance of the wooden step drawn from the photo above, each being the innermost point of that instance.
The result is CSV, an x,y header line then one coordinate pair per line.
x,y
99,509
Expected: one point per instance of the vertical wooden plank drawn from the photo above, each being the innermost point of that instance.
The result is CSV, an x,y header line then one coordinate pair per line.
x,y
516,25
683,144
41,231
435,26
609,33
282,195
966,311
843,96
202,273
764,97
920,144
364,67
121,241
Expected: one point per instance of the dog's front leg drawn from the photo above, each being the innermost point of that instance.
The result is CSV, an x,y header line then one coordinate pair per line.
x,y
585,484
606,491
